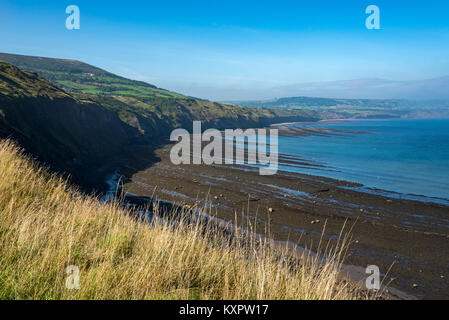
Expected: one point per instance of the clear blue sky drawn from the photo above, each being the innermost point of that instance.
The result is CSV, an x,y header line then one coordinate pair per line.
x,y
207,48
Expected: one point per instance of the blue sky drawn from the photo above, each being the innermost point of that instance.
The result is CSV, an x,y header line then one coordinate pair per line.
x,y
228,50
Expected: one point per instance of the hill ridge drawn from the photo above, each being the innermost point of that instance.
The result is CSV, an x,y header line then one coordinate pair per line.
x,y
77,76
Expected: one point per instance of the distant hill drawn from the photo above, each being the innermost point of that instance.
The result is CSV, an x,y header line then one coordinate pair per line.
x,y
290,102
331,108
426,89
80,77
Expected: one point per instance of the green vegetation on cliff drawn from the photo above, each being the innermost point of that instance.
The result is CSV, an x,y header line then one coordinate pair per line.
x,y
151,110
76,76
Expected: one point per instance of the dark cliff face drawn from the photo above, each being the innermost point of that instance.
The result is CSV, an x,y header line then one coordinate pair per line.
x,y
68,130
68,134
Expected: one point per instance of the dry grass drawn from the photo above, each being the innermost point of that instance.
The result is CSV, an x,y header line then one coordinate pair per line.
x,y
46,225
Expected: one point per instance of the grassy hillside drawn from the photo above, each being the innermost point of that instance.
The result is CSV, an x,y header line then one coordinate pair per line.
x,y
147,108
16,83
76,76
46,226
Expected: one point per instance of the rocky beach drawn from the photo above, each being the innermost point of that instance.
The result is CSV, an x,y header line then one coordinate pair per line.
x,y
407,239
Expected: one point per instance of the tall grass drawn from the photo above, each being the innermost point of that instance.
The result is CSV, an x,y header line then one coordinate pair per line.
x,y
46,225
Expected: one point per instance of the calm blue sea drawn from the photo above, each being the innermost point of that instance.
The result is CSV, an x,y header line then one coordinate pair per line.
x,y
404,156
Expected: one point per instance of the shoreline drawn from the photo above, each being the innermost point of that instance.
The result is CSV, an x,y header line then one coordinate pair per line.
x,y
351,119
352,273
405,233
389,183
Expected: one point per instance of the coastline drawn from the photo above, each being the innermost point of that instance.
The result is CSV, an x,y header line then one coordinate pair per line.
x,y
398,234
352,119
348,273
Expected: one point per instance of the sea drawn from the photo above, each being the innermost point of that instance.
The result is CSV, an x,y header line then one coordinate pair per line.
x,y
406,157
